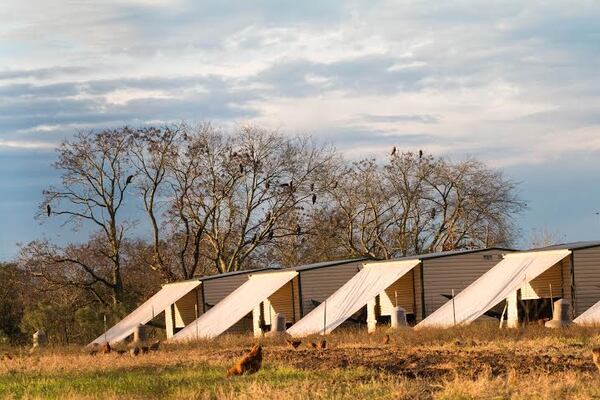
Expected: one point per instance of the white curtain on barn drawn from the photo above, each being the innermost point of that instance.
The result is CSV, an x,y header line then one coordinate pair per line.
x,y
235,306
156,304
369,282
590,317
510,274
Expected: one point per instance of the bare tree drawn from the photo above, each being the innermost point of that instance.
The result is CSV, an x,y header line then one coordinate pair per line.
x,y
417,204
248,185
96,173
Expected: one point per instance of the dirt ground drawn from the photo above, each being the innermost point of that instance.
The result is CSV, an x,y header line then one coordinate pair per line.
x,y
469,359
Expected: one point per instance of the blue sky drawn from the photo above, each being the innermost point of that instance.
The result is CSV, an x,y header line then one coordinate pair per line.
x,y
515,84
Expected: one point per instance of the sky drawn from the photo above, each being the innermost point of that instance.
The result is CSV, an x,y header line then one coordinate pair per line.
x,y
513,83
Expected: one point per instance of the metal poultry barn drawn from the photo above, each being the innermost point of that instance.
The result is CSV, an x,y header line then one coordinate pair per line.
x,y
419,284
529,281
178,304
292,292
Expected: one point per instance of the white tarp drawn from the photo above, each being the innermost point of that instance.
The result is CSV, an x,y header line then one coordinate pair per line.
x,y
347,300
156,304
590,317
510,274
235,306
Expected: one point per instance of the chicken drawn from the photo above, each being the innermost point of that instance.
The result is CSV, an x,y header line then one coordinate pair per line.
x,y
144,349
154,346
134,351
323,344
106,348
386,339
312,345
249,363
293,343
94,349
596,357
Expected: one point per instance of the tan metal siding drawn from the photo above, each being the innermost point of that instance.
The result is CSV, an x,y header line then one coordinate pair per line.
x,y
587,278
185,309
443,274
402,290
318,284
418,290
217,289
539,288
281,302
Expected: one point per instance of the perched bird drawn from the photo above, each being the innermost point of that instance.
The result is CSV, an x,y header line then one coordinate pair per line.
x,y
48,209
312,187
323,344
433,213
134,351
129,179
270,235
154,346
314,198
248,364
293,343
284,185
312,345
420,154
106,348
298,229
241,168
394,151
596,357
386,339
267,185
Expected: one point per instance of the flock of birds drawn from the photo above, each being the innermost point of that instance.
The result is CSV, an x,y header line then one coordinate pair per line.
x,y
134,350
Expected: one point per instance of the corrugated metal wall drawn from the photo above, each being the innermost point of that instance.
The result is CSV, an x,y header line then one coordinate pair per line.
x,y
402,289
281,302
217,289
185,308
318,284
587,278
539,288
443,274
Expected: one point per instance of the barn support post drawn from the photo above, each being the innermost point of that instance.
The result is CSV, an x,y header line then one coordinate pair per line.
x,y
372,314
512,302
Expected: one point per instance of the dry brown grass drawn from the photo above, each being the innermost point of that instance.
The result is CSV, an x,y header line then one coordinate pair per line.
x,y
465,362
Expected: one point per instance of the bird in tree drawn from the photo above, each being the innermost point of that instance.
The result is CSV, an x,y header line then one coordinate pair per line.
x,y
433,213
394,151
298,229
314,198
420,154
267,185
312,187
48,210
270,235
129,179
241,168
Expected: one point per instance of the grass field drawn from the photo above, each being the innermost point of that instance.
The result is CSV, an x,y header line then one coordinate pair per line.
x,y
470,362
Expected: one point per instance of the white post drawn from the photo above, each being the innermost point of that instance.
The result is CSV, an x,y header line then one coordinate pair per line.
x,y
372,315
453,308
512,310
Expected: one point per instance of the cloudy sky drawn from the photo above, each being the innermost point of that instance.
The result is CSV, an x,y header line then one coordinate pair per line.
x,y
516,84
